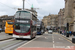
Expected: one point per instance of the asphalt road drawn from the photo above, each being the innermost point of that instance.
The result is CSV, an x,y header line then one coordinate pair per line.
x,y
41,41
48,41
11,44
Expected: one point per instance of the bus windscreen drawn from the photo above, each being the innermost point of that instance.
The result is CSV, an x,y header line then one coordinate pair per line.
x,y
10,22
22,28
23,14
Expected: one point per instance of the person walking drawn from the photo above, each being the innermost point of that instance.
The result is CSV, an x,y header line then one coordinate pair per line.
x,y
70,33
0,29
62,32
67,35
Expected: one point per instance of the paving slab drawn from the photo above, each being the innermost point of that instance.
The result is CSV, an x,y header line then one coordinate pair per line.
x,y
4,36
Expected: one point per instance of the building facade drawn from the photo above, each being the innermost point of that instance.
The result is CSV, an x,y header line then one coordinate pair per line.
x,y
3,19
46,21
69,15
53,20
61,18
50,21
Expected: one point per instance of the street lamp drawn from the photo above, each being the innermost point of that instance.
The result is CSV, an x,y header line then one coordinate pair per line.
x,y
23,4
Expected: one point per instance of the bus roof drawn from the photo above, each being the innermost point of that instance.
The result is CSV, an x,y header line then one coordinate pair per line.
x,y
24,10
27,11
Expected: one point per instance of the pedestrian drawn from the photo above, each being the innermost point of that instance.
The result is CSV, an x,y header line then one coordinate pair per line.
x,y
62,32
67,35
70,33
0,29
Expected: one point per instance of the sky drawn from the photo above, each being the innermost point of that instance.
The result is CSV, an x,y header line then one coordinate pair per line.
x,y
46,7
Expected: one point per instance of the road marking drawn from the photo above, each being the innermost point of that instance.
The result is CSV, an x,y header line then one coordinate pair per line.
x,y
67,39
68,46
28,42
53,41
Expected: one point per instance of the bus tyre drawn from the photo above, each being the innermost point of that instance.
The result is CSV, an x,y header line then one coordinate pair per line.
x,y
73,40
10,34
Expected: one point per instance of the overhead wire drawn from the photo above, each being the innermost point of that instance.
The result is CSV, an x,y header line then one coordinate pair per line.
x,y
28,2
8,6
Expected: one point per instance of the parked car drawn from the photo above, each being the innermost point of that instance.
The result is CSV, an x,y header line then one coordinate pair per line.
x,y
50,31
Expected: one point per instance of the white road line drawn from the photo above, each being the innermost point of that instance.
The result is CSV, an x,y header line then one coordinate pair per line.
x,y
68,47
28,42
53,41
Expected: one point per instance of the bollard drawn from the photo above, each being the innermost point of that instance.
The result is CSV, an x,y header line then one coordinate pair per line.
x,y
73,40
67,35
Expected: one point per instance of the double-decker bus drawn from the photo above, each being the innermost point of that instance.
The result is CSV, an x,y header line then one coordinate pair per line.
x,y
9,27
24,25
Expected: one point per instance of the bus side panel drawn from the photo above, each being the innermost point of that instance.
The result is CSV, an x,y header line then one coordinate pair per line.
x,y
33,31
8,28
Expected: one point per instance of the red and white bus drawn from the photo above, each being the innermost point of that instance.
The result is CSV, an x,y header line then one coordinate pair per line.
x,y
24,25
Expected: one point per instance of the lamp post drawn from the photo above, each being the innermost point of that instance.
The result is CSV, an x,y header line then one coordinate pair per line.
x,y
23,4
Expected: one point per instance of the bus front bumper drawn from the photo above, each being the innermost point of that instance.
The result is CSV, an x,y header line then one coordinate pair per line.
x,y
18,36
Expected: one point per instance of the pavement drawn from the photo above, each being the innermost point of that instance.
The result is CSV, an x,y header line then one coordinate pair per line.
x,y
47,42
4,36
69,38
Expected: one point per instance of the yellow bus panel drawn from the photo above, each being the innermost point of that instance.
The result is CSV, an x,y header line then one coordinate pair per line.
x,y
9,27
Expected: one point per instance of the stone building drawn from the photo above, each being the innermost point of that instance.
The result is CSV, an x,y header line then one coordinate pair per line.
x,y
3,19
46,21
50,21
69,15
53,20
34,12
61,18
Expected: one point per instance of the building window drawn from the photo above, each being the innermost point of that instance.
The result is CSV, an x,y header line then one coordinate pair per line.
x,y
74,7
74,1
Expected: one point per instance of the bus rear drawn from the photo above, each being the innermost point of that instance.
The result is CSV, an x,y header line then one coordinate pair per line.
x,y
9,27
